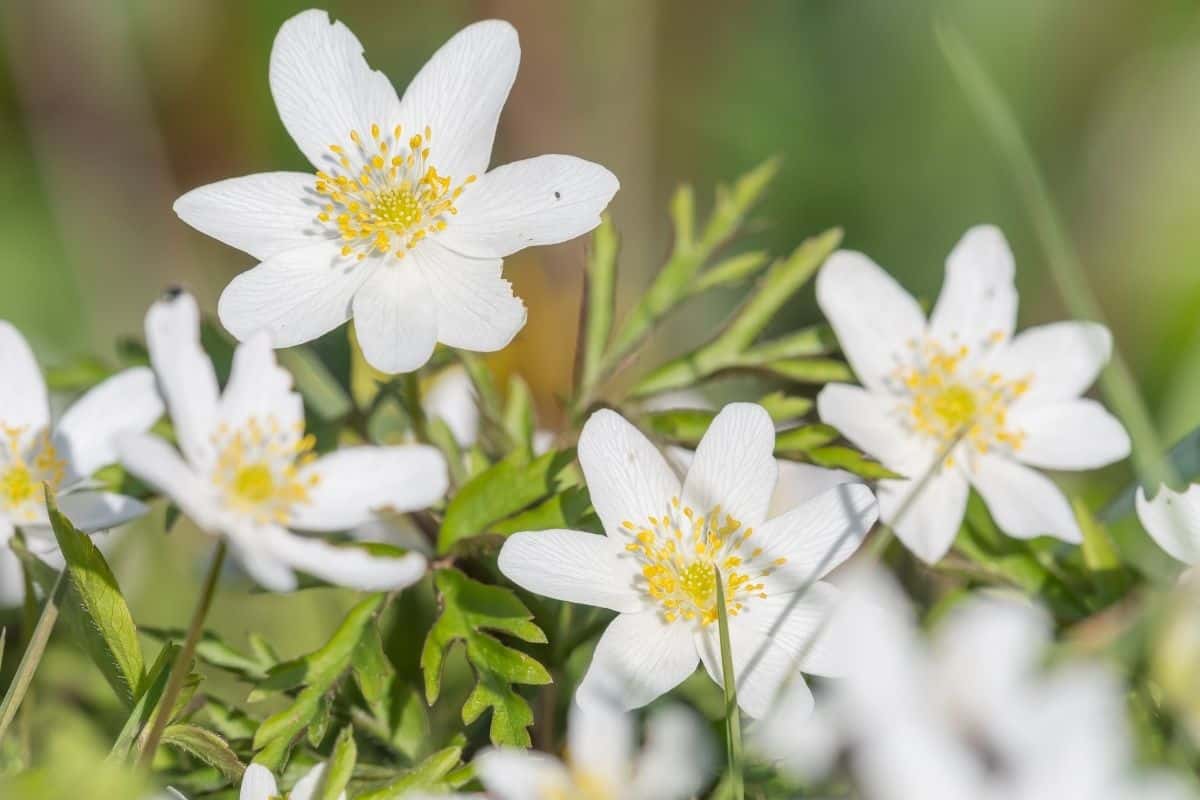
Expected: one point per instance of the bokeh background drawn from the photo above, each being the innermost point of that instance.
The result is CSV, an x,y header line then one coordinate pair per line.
x,y
111,109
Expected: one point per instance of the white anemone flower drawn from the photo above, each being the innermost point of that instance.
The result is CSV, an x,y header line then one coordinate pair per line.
x,y
259,784
245,469
36,451
663,541
1012,402
973,713
402,227
602,760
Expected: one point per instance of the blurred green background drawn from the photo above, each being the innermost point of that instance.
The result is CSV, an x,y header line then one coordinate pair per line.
x,y
111,109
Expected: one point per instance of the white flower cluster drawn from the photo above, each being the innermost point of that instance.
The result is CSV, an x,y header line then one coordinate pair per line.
x,y
402,228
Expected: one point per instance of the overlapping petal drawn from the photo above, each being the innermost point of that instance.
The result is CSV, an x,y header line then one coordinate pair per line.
x,y
262,215
86,436
734,466
395,319
574,566
476,308
185,373
638,658
1024,502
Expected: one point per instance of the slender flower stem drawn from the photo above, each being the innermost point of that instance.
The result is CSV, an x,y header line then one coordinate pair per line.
x,y
183,664
32,655
733,718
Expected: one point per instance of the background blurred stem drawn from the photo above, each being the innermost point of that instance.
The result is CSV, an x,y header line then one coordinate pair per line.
x,y
1117,382
733,719
32,655
183,663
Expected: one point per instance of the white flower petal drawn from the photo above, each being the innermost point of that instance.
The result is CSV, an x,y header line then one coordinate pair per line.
x,y
1074,434
638,658
627,477
574,566
324,88
932,519
511,774
23,399
873,317
476,308
815,537
352,483
251,545
296,295
459,94
451,398
600,740
677,761
99,511
804,624
86,436
1173,520
867,420
760,665
1024,502
1061,360
978,302
158,465
734,466
258,784
306,787
260,389
543,200
396,319
12,581
262,215
799,482
348,565
185,373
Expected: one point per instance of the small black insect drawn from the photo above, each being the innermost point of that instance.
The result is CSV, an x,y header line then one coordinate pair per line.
x,y
557,196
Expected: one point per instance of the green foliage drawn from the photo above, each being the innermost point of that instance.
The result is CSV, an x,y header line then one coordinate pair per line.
x,y
469,610
206,746
432,773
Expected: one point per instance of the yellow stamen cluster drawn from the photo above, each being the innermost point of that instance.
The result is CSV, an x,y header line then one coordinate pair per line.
x,y
680,553
584,786
384,196
258,466
949,393
24,467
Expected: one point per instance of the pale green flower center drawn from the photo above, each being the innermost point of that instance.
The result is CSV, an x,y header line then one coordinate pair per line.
x,y
385,196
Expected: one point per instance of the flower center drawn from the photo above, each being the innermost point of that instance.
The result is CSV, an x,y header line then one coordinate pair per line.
x,y
24,467
681,553
946,397
257,469
385,195
584,786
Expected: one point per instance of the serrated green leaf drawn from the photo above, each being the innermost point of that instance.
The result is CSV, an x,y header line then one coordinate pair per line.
x,y
500,491
341,767
206,746
469,610
110,636
429,774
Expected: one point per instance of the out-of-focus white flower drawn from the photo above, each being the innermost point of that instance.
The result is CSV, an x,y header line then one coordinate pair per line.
x,y
973,714
1014,400
245,470
602,760
655,564
1173,520
35,451
402,227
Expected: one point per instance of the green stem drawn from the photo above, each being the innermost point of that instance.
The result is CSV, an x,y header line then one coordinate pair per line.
x,y
32,655
733,718
1117,381
183,664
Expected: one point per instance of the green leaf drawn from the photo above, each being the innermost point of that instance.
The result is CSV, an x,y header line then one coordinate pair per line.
x,y
143,710
469,610
500,491
785,408
684,426
341,767
804,439
571,508
839,457
810,370
206,746
318,673
373,673
730,272
77,375
213,650
429,774
599,298
732,348
519,418
110,636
